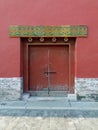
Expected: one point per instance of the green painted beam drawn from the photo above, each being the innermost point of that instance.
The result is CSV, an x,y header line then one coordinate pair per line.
x,y
48,31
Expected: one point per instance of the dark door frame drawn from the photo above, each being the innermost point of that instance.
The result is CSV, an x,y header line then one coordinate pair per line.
x,y
25,55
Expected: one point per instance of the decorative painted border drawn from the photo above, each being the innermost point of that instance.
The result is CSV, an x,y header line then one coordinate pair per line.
x,y
48,31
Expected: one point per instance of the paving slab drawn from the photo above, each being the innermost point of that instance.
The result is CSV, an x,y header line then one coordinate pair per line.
x,y
84,105
47,104
48,120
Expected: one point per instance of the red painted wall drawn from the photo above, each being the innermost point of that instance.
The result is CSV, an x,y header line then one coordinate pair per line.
x,y
49,12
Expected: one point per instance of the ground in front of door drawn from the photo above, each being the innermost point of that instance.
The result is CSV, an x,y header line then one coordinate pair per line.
x,y
51,123
57,115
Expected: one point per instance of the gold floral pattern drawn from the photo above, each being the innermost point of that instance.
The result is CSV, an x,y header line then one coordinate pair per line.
x,y
48,31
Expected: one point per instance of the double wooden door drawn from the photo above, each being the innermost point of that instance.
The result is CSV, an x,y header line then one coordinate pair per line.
x,y
48,68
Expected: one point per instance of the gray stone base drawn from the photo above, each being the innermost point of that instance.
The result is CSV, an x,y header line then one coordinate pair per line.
x,y
72,97
86,88
11,88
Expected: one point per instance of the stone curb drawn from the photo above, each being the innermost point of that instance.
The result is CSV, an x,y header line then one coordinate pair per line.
x,y
47,108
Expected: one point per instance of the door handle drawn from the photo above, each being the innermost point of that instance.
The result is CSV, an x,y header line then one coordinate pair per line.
x,y
50,72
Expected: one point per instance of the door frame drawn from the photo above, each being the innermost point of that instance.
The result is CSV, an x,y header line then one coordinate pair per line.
x,y
71,63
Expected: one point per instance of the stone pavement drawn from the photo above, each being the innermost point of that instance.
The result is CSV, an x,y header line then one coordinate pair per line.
x,y
39,114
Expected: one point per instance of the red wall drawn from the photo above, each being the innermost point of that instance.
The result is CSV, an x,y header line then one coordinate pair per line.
x,y
49,12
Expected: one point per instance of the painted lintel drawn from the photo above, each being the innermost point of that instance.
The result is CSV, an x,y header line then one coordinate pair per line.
x,y
48,31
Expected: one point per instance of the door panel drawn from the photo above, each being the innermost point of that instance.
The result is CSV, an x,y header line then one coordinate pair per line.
x,y
37,66
59,63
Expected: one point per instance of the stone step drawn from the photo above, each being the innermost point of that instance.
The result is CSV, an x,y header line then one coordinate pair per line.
x,y
50,113
48,94
30,97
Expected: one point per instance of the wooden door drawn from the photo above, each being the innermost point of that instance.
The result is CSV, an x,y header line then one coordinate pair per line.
x,y
48,68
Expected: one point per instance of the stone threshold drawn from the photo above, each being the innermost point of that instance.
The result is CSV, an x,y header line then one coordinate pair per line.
x,y
68,97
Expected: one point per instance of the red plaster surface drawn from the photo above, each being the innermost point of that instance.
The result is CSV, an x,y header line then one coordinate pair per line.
x,y
49,12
